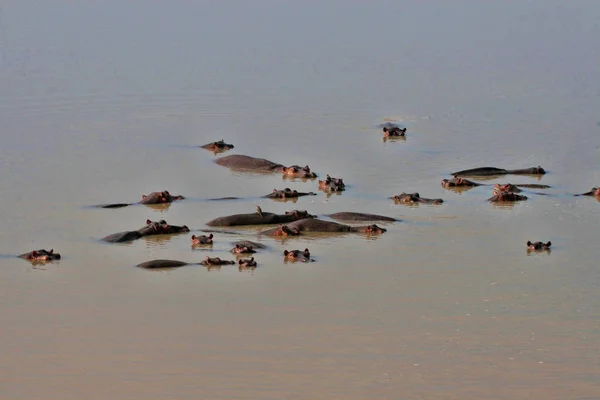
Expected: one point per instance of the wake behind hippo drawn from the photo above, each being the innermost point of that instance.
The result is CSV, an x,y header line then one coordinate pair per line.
x,y
162,197
317,225
253,164
259,218
492,171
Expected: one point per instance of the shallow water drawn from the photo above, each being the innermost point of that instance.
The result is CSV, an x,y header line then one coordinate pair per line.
x,y
105,101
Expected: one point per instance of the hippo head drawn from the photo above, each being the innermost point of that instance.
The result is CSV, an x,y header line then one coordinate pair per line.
x,y
332,184
297,255
374,230
457,182
297,214
508,187
202,239
539,170
42,255
407,198
247,263
538,246
283,230
240,249
296,171
394,131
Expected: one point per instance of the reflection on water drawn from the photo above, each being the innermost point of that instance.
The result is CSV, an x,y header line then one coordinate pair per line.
x,y
103,100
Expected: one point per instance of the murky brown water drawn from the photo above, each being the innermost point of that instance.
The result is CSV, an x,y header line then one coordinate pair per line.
x,y
103,102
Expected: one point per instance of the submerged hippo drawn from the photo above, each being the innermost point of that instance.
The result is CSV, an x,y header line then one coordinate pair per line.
x,y
259,218
332,184
247,163
203,239
353,217
297,255
170,264
414,198
317,225
538,246
491,171
248,243
242,249
215,261
458,182
163,197
281,230
287,193
594,192
504,196
394,130
40,256
218,147
151,228
247,263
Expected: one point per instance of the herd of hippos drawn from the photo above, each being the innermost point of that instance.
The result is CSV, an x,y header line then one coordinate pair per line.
x,y
293,223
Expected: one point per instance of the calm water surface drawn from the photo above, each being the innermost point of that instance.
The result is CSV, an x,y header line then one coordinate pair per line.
x,y
101,102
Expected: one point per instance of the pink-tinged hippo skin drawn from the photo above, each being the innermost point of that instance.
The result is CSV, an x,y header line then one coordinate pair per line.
x,y
40,256
203,239
259,218
332,184
414,198
491,171
297,255
162,197
538,246
253,164
317,225
594,192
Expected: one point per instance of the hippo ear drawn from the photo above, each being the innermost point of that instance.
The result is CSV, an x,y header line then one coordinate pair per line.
x,y
251,258
285,252
306,250
529,243
284,168
307,168
459,180
210,236
548,244
144,197
240,262
35,253
193,237
51,251
148,222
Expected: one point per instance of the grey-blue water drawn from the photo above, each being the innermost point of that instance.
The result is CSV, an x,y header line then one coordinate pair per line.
x,y
101,102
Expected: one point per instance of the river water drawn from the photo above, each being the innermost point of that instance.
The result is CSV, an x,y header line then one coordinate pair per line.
x,y
101,102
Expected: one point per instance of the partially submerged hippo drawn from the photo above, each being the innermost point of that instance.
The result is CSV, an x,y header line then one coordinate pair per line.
x,y
332,184
218,147
247,163
394,131
501,196
215,261
170,264
491,171
458,182
354,217
594,192
538,246
248,243
241,249
297,255
40,256
287,193
163,197
281,230
414,198
151,228
247,263
462,182
203,239
317,225
259,218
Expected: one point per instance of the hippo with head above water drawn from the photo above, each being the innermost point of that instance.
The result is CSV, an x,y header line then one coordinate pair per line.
x,y
332,184
163,197
241,249
538,246
40,256
393,130
151,228
414,198
317,225
215,261
491,171
170,264
218,147
253,164
203,239
247,263
297,255
287,193
354,216
501,196
458,182
594,192
259,218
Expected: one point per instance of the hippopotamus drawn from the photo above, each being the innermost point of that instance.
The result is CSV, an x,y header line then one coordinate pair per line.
x,y
248,243
247,263
259,218
538,246
394,131
412,198
465,183
163,197
218,147
297,255
332,184
202,239
253,164
287,193
491,171
458,182
354,216
281,230
215,261
40,255
239,249
151,228
317,225
594,192
503,196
